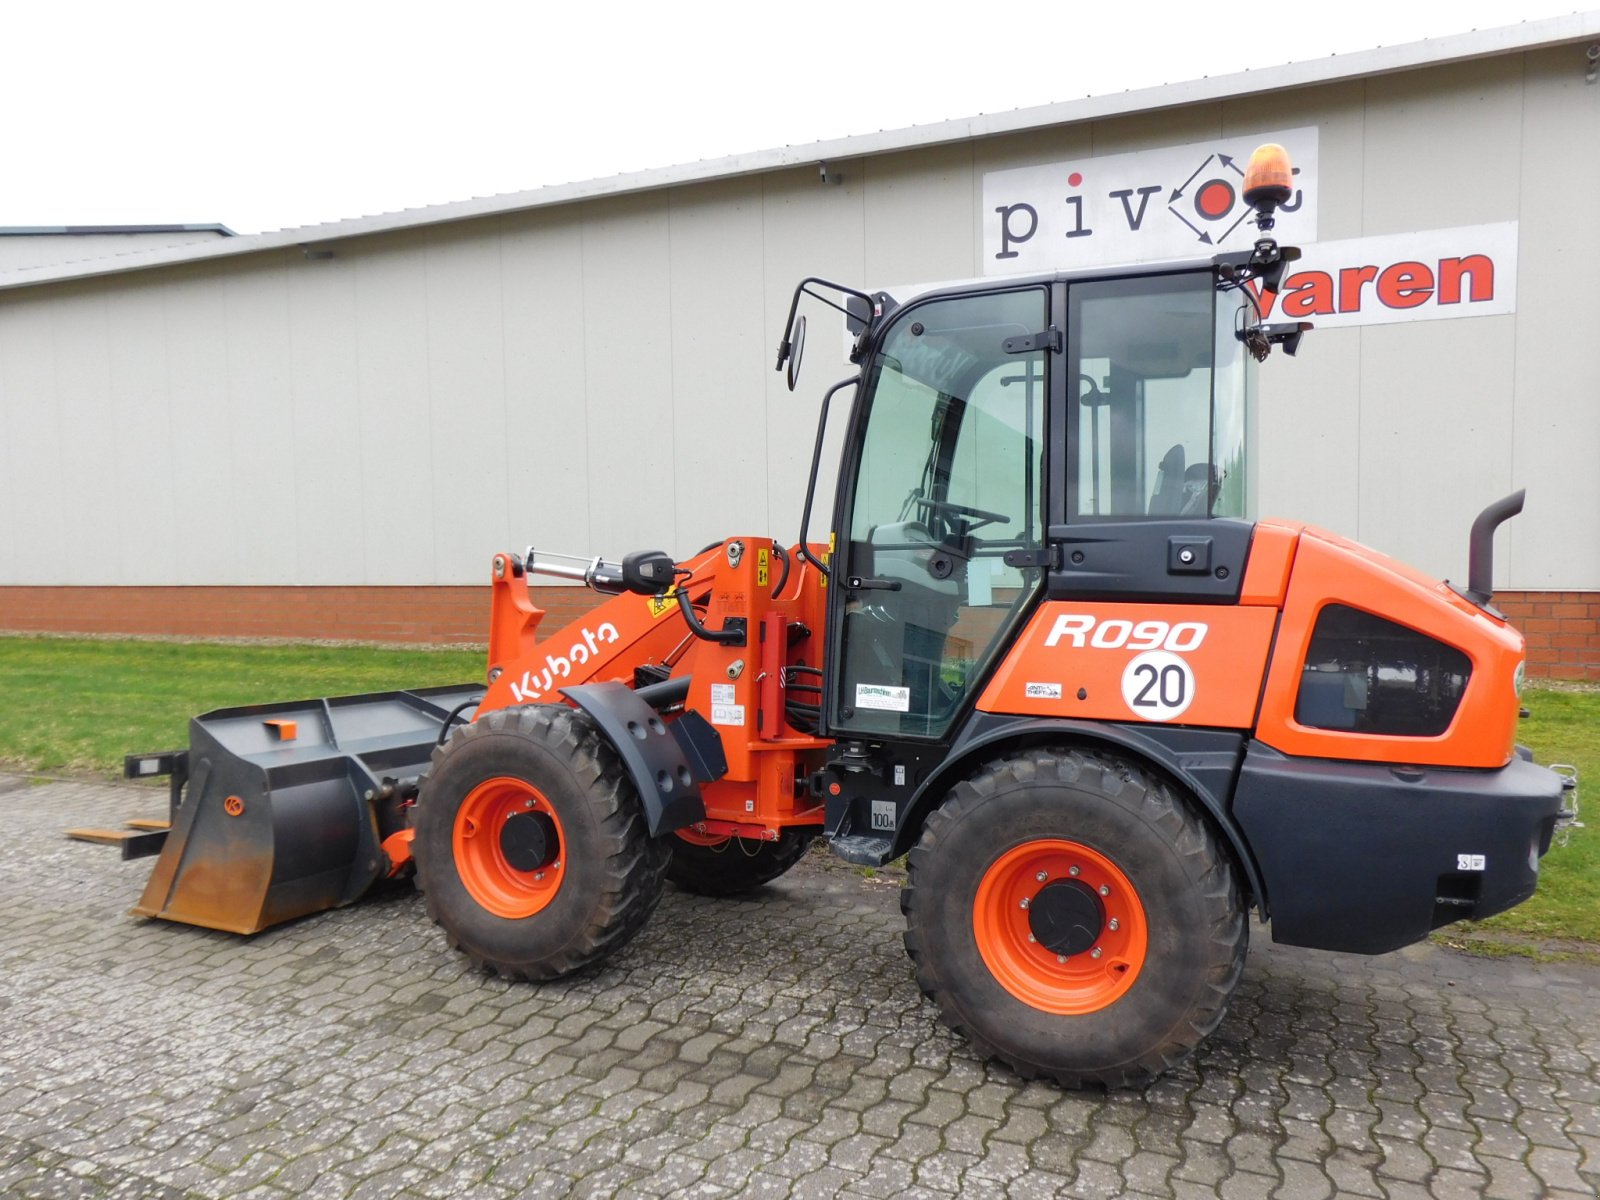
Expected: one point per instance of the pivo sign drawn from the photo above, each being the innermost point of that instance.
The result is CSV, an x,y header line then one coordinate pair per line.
x,y
1185,202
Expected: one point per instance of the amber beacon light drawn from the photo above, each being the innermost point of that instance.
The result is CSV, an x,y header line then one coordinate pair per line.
x,y
1268,182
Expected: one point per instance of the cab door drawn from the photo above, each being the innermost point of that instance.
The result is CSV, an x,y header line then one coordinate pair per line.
x,y
1154,478
940,518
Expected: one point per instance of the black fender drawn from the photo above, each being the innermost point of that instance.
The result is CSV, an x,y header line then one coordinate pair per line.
x,y
1203,762
667,760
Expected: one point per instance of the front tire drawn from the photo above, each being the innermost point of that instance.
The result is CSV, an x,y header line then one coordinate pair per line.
x,y
1074,919
531,846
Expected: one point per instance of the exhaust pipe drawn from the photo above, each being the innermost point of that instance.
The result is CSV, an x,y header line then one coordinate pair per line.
x,y
1480,547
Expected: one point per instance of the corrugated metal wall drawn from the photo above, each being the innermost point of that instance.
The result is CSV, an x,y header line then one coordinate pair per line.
x,y
597,377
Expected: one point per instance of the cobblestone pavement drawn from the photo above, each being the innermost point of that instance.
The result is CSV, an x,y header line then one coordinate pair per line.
x,y
766,1047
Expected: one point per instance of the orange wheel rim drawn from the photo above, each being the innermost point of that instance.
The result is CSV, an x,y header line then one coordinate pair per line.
x,y
1060,927
509,847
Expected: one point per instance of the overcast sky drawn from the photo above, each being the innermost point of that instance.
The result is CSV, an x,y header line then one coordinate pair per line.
x,y
290,113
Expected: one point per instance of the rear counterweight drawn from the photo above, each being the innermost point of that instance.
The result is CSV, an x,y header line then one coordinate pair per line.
x,y
1366,857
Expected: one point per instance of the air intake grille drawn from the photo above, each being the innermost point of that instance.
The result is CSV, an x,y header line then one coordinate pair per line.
x,y
1368,675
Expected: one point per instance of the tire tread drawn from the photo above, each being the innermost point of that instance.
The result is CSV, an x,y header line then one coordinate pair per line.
x,y
633,869
1225,917
732,871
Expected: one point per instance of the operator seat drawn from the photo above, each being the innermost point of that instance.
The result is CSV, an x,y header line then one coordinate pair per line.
x,y
1196,491
1167,499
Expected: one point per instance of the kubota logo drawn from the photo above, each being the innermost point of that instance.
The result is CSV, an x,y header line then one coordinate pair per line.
x,y
533,686
1084,630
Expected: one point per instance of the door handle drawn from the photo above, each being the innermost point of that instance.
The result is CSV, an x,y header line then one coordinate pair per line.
x,y
858,583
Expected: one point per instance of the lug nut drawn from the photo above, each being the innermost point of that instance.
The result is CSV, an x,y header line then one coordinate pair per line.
x,y
1073,871
1024,902
1061,958
1042,876
1095,953
538,874
527,804
1105,890
1113,925
1031,938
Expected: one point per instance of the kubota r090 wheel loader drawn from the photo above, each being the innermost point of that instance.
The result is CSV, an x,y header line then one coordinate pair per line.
x,y
1043,653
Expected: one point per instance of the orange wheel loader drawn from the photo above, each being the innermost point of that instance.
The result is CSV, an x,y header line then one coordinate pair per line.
x,y
1043,653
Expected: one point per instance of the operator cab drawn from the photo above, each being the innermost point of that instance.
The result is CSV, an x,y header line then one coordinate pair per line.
x,y
1070,437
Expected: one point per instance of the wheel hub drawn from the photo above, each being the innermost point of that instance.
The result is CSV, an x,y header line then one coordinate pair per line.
x,y
530,841
1060,926
508,847
1066,917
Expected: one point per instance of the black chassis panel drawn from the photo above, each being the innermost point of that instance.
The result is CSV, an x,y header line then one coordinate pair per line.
x,y
1368,857
1138,560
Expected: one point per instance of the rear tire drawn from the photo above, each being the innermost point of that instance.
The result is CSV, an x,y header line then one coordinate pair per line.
x,y
1132,873
732,866
531,846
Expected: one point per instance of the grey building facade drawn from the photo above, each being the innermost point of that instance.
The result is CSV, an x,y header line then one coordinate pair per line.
x,y
384,402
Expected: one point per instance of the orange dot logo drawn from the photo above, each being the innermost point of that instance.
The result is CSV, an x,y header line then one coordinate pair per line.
x,y
233,806
1214,200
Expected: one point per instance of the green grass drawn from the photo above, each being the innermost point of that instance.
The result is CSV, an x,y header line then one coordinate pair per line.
x,y
78,705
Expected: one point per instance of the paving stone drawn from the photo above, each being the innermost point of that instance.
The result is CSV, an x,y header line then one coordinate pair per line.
x,y
1450,1184
1510,1180
1303,1181
1246,1186
775,1046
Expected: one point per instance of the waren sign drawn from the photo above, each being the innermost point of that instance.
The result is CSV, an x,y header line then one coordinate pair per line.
x,y
1427,276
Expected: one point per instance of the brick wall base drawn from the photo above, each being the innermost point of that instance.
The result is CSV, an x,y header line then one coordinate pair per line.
x,y
1562,628
362,614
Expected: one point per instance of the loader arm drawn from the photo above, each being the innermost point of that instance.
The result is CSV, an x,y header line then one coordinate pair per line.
x,y
697,703
607,643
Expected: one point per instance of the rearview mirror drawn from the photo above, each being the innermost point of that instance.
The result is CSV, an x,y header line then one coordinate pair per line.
x,y
797,345
858,307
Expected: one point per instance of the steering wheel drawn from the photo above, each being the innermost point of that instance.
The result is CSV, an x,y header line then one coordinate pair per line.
x,y
978,517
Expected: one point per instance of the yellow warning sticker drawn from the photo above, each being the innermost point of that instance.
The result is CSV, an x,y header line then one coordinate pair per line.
x,y
660,606
763,567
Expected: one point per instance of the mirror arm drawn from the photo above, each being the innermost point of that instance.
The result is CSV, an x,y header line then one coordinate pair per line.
x,y
803,289
1265,263
816,462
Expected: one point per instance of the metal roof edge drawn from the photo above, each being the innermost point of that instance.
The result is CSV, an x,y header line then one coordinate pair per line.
x,y
1382,60
75,230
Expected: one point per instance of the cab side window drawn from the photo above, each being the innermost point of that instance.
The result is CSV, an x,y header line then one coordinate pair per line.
x,y
1140,384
